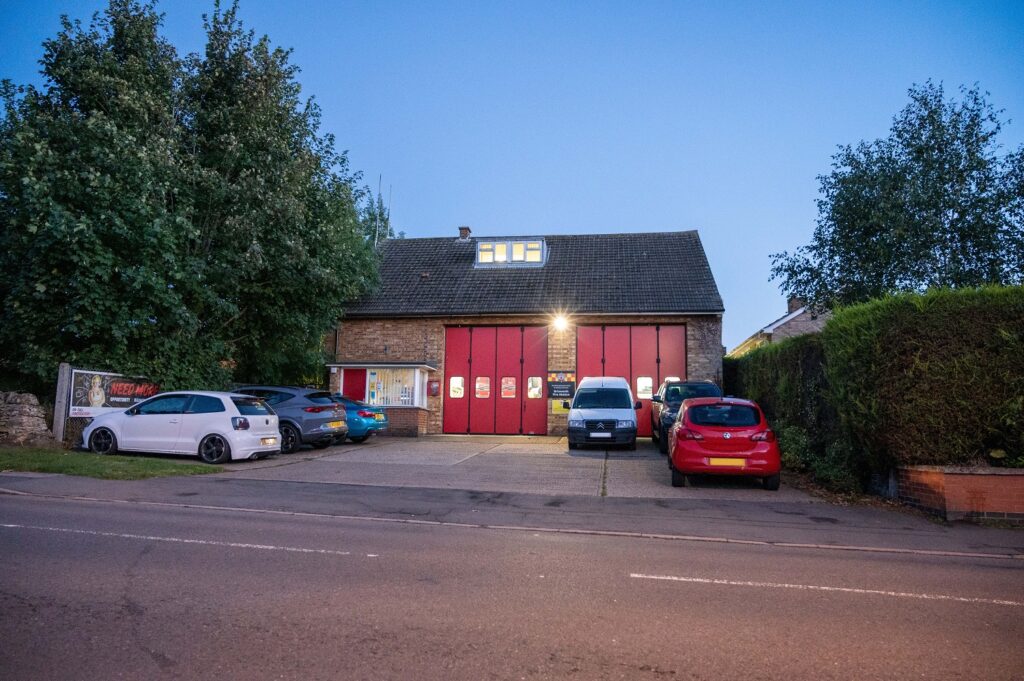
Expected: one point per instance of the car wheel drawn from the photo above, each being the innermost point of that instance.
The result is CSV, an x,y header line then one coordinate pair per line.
x,y
662,440
678,479
214,449
573,445
289,439
103,441
771,483
361,438
632,445
655,432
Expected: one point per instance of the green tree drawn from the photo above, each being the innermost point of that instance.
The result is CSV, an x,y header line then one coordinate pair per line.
x,y
181,219
275,236
375,218
92,210
935,204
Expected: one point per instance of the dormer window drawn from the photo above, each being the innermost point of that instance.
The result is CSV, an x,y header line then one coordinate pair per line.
x,y
511,253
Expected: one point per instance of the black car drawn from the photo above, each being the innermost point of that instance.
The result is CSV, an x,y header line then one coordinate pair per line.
x,y
665,405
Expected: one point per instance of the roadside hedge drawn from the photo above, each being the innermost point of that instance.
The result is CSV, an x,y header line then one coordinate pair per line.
x,y
930,379
934,378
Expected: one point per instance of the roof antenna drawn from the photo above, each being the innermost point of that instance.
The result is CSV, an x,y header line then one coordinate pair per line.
x,y
376,214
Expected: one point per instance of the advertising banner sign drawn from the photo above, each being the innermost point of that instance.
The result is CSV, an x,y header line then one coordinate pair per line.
x,y
97,392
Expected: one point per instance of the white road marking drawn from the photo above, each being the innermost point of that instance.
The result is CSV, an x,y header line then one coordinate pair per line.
x,y
179,540
815,587
1009,555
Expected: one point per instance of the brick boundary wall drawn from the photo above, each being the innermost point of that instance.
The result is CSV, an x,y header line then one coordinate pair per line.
x,y
964,493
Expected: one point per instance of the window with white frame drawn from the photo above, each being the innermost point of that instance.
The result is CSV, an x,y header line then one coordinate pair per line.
x,y
511,253
396,387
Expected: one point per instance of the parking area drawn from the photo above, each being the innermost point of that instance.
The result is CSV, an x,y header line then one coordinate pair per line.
x,y
541,465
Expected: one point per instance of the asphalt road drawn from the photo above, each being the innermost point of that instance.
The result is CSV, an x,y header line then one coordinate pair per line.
x,y
92,590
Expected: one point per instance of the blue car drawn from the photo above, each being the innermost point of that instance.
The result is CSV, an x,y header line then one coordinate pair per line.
x,y
363,419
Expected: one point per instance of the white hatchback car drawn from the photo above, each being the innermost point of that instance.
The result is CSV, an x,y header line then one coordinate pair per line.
x,y
217,427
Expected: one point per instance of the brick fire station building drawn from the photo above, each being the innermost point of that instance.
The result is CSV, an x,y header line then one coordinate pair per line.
x,y
479,334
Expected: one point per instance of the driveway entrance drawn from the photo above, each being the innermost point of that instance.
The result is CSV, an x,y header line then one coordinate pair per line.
x,y
537,465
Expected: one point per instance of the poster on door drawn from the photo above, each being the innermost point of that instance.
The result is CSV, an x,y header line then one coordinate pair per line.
x,y
97,392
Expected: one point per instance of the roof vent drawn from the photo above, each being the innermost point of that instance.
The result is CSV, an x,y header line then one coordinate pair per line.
x,y
464,232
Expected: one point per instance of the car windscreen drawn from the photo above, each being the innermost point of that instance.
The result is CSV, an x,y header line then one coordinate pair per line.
x,y
320,398
724,415
252,406
601,398
676,393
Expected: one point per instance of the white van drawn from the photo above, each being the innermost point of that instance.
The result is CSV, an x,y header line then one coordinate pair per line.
x,y
603,412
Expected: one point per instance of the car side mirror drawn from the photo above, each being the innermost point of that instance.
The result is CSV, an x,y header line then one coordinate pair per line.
x,y
565,404
638,405
657,399
134,411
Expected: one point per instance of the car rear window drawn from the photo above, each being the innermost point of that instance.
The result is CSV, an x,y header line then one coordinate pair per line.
x,y
251,406
725,415
678,392
602,398
320,398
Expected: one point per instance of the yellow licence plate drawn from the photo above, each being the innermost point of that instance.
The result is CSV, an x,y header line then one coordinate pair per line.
x,y
739,463
335,424
379,417
268,441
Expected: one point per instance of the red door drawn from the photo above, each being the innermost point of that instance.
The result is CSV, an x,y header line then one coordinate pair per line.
x,y
457,381
672,352
481,387
643,372
495,380
642,354
534,392
617,351
353,384
589,352
508,381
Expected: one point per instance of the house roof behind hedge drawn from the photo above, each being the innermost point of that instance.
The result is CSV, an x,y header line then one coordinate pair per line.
x,y
656,272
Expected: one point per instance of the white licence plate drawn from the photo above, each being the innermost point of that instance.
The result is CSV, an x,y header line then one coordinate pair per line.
x,y
268,441
600,435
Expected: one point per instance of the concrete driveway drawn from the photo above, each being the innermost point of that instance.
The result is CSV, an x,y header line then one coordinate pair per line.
x,y
540,465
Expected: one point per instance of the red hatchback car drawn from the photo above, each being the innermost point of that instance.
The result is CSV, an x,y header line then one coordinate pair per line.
x,y
723,436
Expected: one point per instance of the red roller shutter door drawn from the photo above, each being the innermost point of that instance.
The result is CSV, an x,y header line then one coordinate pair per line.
x,y
638,351
535,366
643,367
481,379
508,379
589,352
457,389
494,365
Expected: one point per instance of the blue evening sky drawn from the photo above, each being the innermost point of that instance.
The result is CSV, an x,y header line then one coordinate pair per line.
x,y
586,117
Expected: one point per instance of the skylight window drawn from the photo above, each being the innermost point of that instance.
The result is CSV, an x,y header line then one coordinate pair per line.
x,y
511,253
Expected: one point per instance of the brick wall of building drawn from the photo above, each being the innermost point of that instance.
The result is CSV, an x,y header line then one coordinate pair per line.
x,y
803,323
422,340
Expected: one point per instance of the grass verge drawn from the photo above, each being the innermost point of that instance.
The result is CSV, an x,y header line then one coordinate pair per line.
x,y
45,460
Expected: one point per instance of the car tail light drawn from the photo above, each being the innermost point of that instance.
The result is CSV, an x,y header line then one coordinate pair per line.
x,y
366,414
239,423
763,436
688,434
317,410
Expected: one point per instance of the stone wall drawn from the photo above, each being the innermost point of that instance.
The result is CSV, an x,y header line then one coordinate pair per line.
x,y
422,340
23,420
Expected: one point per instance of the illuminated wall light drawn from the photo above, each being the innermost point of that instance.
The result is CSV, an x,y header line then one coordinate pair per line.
x,y
560,323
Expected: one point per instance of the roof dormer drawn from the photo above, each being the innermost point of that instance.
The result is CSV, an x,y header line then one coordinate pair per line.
x,y
521,252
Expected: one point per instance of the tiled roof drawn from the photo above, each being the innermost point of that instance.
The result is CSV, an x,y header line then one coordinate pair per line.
x,y
658,272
